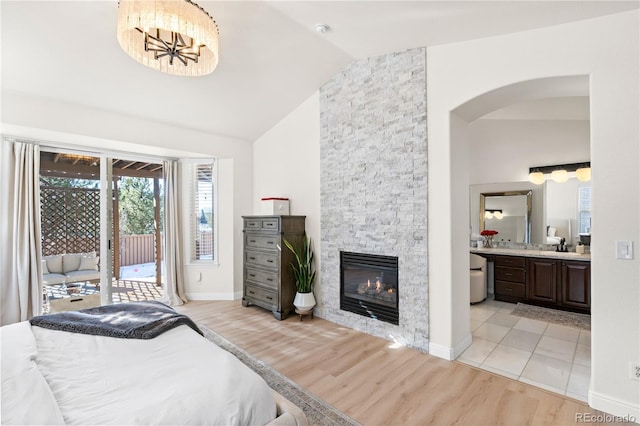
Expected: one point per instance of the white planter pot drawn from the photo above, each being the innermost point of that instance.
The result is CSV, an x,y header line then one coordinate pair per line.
x,y
304,302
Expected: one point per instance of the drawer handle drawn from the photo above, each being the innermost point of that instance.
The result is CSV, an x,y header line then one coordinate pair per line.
x,y
252,275
508,288
270,279
252,258
269,297
251,292
269,261
508,274
270,242
252,241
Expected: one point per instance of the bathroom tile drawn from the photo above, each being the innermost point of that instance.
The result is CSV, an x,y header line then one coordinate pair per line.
x,y
510,360
481,314
585,337
579,381
556,348
503,319
531,325
562,332
478,351
507,309
547,371
491,332
521,339
583,355
474,324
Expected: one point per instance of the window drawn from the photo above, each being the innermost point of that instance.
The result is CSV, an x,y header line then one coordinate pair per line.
x,y
203,213
584,210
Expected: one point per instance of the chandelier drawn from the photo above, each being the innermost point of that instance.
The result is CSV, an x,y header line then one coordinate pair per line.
x,y
172,36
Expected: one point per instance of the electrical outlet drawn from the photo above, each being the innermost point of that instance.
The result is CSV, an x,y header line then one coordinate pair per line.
x,y
634,371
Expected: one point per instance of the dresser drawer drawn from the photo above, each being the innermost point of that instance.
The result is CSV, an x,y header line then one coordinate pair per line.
x,y
263,295
510,274
514,262
270,260
509,289
262,224
261,241
266,278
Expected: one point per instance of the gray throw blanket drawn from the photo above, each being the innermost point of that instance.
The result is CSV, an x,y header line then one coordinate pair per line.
x,y
134,320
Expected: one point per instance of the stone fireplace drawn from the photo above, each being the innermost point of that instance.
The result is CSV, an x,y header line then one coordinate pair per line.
x,y
369,285
373,193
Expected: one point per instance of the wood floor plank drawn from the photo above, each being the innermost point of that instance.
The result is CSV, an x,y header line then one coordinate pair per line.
x,y
378,385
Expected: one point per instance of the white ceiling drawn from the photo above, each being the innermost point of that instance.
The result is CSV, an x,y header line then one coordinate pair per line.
x,y
271,57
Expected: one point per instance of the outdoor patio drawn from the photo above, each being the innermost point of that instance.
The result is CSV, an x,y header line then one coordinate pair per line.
x,y
137,283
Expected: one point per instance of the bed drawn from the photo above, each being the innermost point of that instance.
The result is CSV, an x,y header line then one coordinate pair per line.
x,y
58,376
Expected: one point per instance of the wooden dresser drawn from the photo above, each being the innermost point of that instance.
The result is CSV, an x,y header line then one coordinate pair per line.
x,y
268,278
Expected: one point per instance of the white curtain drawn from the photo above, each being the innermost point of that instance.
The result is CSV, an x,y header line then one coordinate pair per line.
x,y
174,279
20,249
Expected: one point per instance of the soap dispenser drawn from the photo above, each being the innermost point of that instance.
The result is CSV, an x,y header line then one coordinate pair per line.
x,y
580,248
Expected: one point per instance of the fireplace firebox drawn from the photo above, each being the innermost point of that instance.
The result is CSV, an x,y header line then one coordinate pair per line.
x,y
369,285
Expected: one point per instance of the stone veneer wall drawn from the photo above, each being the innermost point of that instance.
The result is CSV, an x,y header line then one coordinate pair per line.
x,y
373,149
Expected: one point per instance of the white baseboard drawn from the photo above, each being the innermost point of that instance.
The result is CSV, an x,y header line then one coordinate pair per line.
x,y
214,296
626,411
447,352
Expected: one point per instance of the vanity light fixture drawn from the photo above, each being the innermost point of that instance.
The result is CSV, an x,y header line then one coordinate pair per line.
x,y
490,214
560,173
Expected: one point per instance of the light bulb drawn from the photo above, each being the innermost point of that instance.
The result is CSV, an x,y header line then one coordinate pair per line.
x,y
559,176
584,174
536,177
498,215
488,215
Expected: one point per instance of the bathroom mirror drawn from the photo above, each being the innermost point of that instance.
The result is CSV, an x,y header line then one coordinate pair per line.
x,y
509,213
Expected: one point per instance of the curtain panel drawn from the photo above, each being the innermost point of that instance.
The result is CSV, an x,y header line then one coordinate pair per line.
x,y
20,249
174,281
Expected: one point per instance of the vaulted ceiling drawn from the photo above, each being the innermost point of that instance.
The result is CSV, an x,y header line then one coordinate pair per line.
x,y
271,56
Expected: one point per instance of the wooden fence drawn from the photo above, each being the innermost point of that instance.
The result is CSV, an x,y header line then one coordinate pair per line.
x,y
137,249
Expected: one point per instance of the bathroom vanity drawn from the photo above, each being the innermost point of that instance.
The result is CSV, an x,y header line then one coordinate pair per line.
x,y
546,278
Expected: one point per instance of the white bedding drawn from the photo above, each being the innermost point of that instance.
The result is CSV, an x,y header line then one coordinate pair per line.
x,y
55,377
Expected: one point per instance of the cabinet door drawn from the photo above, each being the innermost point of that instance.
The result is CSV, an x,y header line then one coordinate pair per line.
x,y
542,283
576,284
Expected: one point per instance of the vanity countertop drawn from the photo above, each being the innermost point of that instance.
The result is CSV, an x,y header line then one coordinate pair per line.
x,y
534,253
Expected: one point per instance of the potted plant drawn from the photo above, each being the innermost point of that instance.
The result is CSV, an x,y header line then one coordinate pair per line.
x,y
305,274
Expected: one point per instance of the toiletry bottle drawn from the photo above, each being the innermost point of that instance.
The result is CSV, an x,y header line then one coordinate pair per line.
x,y
580,248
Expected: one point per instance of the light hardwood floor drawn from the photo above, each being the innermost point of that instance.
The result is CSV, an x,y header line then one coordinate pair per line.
x,y
379,385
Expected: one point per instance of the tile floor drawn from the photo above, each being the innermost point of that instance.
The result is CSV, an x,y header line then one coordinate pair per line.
x,y
550,356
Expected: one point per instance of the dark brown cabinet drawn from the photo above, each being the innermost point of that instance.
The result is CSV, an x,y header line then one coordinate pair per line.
x,y
543,280
575,278
510,278
550,282
268,277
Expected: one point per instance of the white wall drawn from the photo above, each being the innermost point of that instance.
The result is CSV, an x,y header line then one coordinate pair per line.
x,y
72,126
287,164
503,150
612,64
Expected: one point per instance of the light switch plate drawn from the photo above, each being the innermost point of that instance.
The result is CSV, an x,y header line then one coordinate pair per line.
x,y
624,250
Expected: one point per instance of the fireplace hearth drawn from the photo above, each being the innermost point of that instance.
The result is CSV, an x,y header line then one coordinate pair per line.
x,y
369,285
